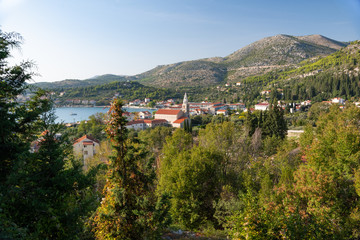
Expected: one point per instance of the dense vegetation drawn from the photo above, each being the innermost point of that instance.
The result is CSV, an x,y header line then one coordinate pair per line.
x,y
44,194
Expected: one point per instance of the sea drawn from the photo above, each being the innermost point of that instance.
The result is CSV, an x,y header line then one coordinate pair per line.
x,y
75,114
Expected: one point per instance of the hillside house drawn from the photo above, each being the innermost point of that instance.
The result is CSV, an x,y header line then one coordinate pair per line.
x,y
338,100
145,115
86,146
262,106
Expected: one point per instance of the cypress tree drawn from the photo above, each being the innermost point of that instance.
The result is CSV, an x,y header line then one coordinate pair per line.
x,y
128,209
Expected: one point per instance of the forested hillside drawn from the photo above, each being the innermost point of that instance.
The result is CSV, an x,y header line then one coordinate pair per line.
x,y
73,83
336,75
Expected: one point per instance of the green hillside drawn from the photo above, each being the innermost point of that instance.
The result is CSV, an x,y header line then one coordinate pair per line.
x,y
74,83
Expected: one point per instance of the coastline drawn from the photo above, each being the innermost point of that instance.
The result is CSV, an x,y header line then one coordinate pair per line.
x,y
91,106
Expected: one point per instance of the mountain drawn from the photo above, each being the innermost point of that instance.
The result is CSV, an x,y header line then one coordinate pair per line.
x,y
74,83
282,50
260,57
190,73
319,78
257,58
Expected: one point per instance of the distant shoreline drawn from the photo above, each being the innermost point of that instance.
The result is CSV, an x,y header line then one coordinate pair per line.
x,y
88,106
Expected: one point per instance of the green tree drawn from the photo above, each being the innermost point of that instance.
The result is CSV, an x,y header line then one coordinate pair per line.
x,y
128,209
47,192
43,194
193,184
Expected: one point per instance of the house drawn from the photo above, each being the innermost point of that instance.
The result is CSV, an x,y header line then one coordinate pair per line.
x,y
266,92
262,106
238,84
222,111
136,125
86,146
129,116
306,103
236,106
338,100
145,115
179,123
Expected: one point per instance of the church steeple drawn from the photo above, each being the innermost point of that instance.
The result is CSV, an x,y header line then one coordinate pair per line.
x,y
185,106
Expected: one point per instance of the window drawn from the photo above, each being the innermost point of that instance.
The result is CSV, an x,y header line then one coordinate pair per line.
x,y
85,152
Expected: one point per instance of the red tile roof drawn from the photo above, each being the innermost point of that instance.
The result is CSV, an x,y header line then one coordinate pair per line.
x,y
180,120
85,137
168,111
155,121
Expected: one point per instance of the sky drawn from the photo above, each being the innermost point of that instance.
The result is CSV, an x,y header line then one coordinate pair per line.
x,y
79,39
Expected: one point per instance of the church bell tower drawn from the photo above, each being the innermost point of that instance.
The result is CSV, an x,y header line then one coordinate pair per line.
x,y
185,106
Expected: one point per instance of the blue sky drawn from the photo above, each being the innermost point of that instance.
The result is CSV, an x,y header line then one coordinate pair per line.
x,y
78,39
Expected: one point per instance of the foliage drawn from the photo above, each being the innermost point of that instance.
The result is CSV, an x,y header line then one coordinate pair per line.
x,y
271,122
128,209
316,200
43,193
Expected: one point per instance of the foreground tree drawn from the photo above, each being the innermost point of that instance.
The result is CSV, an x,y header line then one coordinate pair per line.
x,y
128,209
42,192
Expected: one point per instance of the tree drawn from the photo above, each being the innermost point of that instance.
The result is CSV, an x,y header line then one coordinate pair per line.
x,y
128,209
192,179
15,120
48,193
43,194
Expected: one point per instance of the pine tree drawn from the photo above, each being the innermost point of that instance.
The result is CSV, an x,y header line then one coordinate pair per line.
x,y
128,209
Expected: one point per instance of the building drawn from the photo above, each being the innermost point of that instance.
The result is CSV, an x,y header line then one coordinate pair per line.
x,y
175,117
338,100
150,123
129,116
236,106
179,123
136,125
145,115
262,106
86,146
222,111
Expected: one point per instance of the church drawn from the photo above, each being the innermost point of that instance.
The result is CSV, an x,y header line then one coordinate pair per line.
x,y
175,118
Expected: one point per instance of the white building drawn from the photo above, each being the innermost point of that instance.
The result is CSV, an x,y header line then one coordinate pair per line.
x,y
150,123
262,106
338,100
136,125
86,146
222,111
145,115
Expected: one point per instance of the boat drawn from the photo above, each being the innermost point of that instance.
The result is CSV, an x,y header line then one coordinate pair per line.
x,y
73,114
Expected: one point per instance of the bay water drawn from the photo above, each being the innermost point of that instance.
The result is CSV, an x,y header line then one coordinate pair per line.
x,y
75,114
